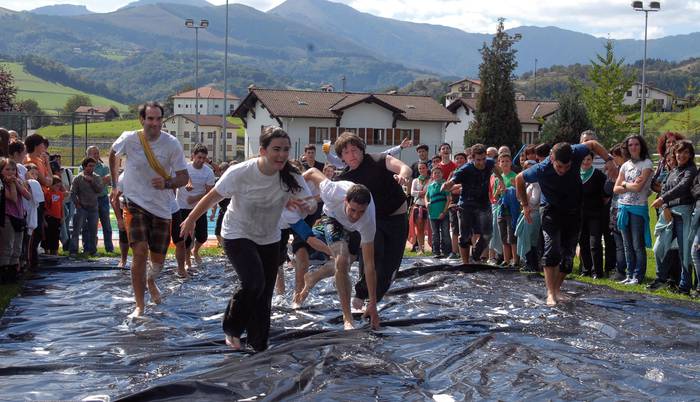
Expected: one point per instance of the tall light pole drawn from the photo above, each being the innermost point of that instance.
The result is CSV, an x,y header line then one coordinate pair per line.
x,y
535,75
203,24
639,6
225,114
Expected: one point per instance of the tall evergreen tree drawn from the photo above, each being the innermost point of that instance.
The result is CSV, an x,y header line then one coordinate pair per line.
x,y
603,98
568,121
496,121
8,90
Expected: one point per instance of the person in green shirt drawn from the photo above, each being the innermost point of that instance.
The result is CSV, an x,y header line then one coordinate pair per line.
x,y
438,203
510,254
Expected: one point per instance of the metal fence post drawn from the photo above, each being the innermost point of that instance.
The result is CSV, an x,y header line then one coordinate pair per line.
x,y
72,140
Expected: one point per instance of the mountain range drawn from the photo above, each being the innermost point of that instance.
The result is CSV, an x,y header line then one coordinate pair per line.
x,y
145,51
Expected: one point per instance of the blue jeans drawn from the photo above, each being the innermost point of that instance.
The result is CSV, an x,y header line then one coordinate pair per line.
x,y
620,259
442,242
85,217
68,212
103,207
635,249
685,276
662,267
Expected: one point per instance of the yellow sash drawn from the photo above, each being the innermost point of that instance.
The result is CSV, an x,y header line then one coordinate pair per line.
x,y
152,157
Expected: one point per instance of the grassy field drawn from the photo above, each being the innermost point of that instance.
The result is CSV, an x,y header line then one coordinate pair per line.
x,y
50,96
687,121
107,129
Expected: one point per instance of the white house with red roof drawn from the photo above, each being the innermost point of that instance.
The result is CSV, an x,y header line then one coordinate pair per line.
x,y
211,102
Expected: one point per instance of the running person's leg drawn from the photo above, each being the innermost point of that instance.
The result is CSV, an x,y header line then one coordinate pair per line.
x,y
179,241
201,233
552,252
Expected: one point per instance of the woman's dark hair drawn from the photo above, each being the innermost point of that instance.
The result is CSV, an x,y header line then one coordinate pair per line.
x,y
643,152
348,138
661,141
16,147
86,162
32,141
682,145
616,150
288,171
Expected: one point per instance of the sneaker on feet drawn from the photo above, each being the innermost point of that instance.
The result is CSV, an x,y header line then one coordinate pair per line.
x,y
438,256
633,281
657,285
454,256
491,261
617,277
624,281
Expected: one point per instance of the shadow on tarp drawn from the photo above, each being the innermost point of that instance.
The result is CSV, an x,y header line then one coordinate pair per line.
x,y
449,333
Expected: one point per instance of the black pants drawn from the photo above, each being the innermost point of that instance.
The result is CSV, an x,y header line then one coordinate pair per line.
x,y
52,233
591,244
249,308
389,245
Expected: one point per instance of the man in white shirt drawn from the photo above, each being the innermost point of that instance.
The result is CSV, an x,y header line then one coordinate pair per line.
x,y
202,180
148,190
348,207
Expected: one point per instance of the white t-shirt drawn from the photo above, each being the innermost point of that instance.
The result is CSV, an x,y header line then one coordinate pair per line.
x,y
32,204
333,197
257,201
631,171
290,217
200,178
138,173
22,172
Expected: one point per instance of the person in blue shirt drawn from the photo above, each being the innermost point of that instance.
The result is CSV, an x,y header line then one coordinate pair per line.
x,y
560,181
474,202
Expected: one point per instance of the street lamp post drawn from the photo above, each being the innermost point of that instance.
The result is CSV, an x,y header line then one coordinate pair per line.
x,y
225,112
639,6
203,24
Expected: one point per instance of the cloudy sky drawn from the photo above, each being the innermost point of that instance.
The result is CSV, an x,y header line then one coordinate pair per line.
x,y
604,18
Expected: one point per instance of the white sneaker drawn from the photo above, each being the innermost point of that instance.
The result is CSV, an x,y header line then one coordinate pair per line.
x,y
624,281
633,281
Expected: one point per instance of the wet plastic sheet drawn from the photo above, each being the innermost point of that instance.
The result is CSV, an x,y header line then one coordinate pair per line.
x,y
449,333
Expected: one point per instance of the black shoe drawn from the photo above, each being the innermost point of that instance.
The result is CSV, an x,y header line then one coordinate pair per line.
x,y
528,270
618,277
681,291
657,285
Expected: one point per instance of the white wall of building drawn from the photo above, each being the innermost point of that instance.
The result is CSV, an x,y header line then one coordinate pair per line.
x,y
184,130
206,106
634,96
454,133
360,116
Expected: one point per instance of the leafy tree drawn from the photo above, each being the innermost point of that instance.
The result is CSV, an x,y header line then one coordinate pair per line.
x,y
569,121
31,108
8,90
603,97
75,102
496,120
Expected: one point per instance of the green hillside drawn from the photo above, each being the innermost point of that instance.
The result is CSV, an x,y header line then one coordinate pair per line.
x,y
51,96
107,129
686,122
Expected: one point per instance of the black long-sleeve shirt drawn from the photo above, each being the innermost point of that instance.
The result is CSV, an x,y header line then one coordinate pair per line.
x,y
676,189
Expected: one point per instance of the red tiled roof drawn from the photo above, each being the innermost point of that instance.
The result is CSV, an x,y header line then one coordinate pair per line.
x,y
205,93
328,105
529,110
477,82
205,120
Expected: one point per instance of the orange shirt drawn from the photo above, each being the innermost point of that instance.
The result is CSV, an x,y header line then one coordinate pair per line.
x,y
40,166
54,203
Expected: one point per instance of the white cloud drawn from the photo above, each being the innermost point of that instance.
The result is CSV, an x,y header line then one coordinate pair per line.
x,y
597,17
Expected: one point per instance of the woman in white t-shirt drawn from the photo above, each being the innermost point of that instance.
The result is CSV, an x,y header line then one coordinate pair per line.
x,y
259,189
634,185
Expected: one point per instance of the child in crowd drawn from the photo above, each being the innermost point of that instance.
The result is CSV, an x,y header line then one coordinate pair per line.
x,y
505,215
438,203
11,232
54,197
33,219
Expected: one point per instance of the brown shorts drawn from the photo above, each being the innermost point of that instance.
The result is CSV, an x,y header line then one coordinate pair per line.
x,y
144,226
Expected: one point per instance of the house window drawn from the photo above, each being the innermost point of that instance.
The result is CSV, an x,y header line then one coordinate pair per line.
x,y
178,105
404,133
187,134
229,148
210,135
378,136
322,133
216,106
229,135
186,106
351,130
187,147
629,93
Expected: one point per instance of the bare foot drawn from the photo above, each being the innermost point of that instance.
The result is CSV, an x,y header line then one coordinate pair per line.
x,y
301,297
121,264
197,259
155,292
138,312
551,300
182,273
358,304
348,325
233,342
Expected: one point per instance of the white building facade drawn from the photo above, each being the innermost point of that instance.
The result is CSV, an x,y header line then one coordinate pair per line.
x,y
211,102
210,134
662,100
310,117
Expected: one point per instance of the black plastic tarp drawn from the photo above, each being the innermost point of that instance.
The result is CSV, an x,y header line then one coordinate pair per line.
x,y
448,333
